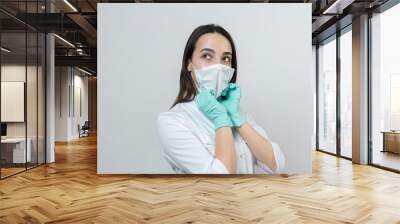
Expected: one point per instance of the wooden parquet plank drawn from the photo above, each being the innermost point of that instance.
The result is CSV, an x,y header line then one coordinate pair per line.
x,y
70,191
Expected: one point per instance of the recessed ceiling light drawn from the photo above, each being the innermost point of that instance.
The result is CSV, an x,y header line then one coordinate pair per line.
x,y
84,71
5,50
337,7
70,5
64,40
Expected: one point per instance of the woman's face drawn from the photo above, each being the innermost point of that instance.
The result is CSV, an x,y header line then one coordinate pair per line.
x,y
210,49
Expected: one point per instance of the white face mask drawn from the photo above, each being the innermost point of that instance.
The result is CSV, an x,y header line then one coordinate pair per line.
x,y
215,77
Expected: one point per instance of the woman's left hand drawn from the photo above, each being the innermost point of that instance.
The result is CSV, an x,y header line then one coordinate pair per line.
x,y
231,102
260,147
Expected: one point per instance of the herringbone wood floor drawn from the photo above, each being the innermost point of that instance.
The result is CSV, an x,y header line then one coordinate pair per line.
x,y
70,191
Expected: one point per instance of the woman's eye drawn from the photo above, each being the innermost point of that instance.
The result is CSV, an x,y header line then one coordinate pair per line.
x,y
206,56
227,59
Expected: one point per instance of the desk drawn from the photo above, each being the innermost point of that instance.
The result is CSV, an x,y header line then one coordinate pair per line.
x,y
391,141
13,150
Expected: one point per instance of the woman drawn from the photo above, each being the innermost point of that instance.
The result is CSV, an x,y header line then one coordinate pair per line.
x,y
205,132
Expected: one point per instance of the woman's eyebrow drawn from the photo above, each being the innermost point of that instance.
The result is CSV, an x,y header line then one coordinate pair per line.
x,y
227,53
207,49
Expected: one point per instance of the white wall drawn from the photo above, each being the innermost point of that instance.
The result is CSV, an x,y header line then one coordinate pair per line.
x,y
314,74
33,127
18,73
68,80
80,83
61,103
140,49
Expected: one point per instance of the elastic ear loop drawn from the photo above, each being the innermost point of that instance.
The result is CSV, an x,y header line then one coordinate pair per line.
x,y
194,79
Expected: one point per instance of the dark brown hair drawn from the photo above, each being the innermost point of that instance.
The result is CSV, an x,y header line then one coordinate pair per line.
x,y
187,89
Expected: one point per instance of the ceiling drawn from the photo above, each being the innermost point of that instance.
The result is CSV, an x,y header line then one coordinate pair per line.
x,y
76,22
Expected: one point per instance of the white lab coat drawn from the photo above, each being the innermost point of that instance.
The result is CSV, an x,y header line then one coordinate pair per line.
x,y
188,140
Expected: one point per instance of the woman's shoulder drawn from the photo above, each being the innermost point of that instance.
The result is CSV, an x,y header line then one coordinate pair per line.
x,y
179,107
176,113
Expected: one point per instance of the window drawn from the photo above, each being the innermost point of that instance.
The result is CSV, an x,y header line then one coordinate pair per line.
x,y
22,77
346,93
385,88
327,96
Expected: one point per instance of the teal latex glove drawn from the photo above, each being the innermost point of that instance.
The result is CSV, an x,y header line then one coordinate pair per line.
x,y
213,110
231,101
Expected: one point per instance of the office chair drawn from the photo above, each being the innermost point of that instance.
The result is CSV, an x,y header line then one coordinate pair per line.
x,y
84,130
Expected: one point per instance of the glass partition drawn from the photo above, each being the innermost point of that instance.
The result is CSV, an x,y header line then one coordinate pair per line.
x,y
385,89
32,95
346,94
22,101
13,105
327,96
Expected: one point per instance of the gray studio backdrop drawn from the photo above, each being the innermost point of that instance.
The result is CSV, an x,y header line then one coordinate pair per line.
x,y
140,48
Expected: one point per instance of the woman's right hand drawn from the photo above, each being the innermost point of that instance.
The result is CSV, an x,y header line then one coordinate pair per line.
x,y
214,110
232,94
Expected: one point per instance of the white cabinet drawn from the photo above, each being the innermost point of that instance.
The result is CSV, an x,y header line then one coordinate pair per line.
x,y
18,149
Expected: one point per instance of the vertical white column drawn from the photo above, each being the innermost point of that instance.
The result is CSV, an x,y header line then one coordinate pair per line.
x,y
360,90
50,93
